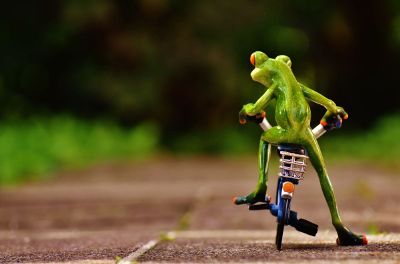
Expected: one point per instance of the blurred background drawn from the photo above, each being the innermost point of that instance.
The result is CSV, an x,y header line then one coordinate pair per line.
x,y
82,82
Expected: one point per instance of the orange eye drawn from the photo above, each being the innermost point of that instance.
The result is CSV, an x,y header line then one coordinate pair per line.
x,y
253,59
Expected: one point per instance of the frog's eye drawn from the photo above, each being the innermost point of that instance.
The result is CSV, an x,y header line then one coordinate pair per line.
x,y
258,58
285,59
253,59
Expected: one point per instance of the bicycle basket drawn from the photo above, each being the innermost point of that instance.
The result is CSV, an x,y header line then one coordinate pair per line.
x,y
292,165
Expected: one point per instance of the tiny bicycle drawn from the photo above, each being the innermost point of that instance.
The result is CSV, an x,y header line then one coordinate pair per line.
x,y
292,166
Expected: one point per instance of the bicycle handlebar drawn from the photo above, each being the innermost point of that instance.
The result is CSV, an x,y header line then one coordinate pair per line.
x,y
333,122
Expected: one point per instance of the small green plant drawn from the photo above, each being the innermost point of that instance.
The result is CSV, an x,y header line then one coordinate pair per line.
x,y
374,229
167,236
184,221
117,259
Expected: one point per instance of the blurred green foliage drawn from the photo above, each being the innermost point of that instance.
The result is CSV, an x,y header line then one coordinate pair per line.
x,y
380,144
182,66
32,148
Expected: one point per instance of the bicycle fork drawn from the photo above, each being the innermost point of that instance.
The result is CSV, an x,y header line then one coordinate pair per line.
x,y
285,190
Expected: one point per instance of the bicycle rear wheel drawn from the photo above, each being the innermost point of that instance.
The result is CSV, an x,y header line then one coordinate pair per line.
x,y
281,225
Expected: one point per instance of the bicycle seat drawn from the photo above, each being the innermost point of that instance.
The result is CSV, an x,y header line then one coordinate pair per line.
x,y
293,148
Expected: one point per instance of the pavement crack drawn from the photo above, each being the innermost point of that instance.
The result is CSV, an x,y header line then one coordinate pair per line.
x,y
131,258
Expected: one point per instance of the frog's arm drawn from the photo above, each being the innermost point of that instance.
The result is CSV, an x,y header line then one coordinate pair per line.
x,y
318,98
257,107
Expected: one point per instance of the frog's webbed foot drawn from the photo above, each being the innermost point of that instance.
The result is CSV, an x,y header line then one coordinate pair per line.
x,y
348,238
252,198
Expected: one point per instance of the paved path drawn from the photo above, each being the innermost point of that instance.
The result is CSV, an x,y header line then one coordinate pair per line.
x,y
113,210
258,246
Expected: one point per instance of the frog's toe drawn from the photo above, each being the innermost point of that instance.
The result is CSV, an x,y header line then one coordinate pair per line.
x,y
239,200
249,199
351,239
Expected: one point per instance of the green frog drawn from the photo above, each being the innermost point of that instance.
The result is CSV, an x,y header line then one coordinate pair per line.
x,y
293,116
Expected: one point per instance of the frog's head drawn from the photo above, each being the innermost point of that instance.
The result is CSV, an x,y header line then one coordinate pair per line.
x,y
266,68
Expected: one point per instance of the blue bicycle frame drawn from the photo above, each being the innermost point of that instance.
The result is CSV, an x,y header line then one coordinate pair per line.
x,y
292,170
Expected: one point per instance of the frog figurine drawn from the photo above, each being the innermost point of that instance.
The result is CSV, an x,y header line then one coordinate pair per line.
x,y
293,115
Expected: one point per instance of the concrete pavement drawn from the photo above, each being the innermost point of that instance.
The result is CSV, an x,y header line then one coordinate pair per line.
x,y
113,210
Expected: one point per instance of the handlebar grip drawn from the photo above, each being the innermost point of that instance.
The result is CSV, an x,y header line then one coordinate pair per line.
x,y
332,122
256,118
319,131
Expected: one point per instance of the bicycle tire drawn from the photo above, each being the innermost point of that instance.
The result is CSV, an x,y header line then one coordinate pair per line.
x,y
281,225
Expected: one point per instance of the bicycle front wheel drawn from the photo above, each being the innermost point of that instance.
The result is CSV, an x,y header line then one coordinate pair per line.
x,y
281,225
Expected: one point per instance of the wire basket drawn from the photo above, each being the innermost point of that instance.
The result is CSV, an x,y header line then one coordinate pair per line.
x,y
292,165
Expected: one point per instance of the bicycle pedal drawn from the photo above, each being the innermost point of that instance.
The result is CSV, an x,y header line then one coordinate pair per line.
x,y
262,206
306,227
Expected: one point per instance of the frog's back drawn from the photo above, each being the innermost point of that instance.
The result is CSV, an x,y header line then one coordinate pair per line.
x,y
292,110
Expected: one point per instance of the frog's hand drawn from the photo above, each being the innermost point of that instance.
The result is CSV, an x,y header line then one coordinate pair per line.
x,y
258,118
330,122
340,111
334,120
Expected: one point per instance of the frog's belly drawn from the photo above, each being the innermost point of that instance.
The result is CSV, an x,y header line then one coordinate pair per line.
x,y
293,115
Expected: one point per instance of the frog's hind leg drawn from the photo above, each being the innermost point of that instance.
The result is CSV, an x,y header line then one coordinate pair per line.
x,y
274,135
264,153
345,236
